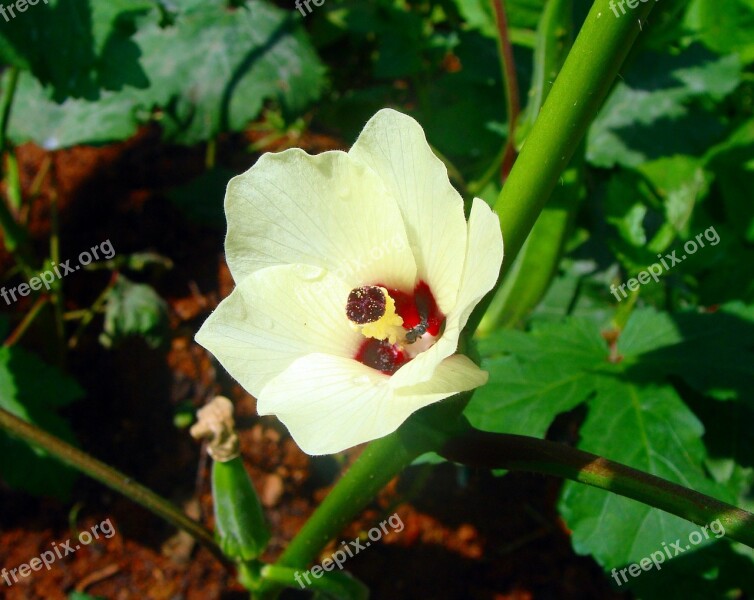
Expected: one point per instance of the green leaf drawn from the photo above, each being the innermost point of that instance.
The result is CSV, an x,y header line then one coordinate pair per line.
x,y
134,309
525,399
551,373
33,390
635,416
575,343
680,182
725,26
648,428
209,70
651,111
520,13
38,118
87,45
732,164
213,68
712,352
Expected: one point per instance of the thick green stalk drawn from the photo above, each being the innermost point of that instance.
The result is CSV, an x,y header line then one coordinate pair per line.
x,y
521,453
530,275
377,465
584,81
381,460
112,478
577,94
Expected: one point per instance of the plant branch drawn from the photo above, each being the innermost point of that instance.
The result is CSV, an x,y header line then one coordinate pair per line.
x,y
112,478
16,241
7,104
26,322
510,82
521,453
577,94
380,461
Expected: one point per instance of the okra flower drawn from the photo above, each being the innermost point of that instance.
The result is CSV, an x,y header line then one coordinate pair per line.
x,y
355,274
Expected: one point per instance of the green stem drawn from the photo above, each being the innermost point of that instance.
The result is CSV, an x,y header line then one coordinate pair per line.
x,y
373,470
26,322
521,453
210,154
577,94
6,105
90,313
110,477
16,241
380,461
332,584
57,287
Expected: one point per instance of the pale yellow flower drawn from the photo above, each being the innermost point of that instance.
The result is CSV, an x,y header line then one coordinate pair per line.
x,y
355,274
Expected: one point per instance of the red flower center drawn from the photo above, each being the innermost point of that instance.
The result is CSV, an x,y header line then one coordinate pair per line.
x,y
421,317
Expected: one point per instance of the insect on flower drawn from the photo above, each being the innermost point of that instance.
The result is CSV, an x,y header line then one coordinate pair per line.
x,y
337,332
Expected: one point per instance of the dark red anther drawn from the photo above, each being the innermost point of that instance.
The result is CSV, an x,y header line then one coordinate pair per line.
x,y
381,355
365,304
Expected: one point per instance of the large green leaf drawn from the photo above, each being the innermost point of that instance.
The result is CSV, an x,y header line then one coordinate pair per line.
x,y
33,390
635,416
649,428
76,46
712,352
652,112
551,373
525,398
214,68
725,26
74,121
209,70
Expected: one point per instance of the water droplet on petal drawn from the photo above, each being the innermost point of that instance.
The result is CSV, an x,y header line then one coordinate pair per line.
x,y
309,273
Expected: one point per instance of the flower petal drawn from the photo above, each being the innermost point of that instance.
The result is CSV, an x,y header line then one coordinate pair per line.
x,y
326,210
275,316
423,366
483,258
393,145
484,255
455,374
329,403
